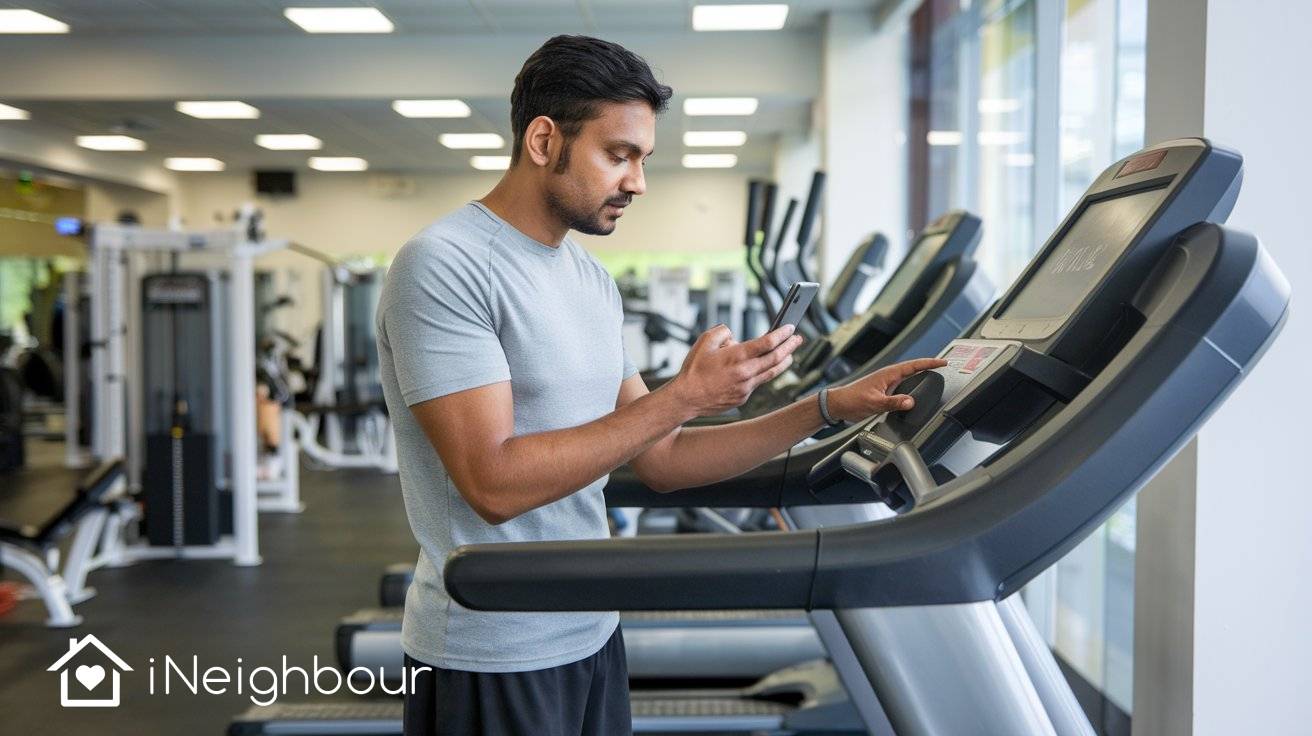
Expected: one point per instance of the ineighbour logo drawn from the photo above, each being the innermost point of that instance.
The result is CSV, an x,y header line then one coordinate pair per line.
x,y
85,690
264,685
96,672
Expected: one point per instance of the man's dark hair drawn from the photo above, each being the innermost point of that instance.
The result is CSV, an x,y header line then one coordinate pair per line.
x,y
569,76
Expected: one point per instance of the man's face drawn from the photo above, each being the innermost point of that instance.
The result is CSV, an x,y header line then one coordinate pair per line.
x,y
599,171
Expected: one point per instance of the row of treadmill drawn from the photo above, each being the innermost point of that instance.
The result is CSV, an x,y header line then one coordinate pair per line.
x,y
887,605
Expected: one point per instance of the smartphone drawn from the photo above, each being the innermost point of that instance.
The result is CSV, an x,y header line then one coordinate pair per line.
x,y
796,302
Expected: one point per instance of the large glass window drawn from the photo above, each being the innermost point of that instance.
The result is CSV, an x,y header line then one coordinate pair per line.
x,y
1102,120
975,141
939,42
1006,137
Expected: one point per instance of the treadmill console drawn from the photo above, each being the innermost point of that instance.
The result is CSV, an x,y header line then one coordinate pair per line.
x,y
1075,306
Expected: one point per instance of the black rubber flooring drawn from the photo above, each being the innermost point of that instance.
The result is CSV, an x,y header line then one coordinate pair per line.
x,y
318,566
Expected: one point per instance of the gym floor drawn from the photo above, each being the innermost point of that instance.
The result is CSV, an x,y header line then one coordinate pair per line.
x,y
318,566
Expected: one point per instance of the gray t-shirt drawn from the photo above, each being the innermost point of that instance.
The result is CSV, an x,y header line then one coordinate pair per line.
x,y
471,301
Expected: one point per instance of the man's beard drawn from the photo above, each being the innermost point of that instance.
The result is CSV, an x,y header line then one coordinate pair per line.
x,y
588,222
580,219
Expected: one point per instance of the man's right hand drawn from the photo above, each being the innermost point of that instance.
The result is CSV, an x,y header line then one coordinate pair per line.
x,y
720,373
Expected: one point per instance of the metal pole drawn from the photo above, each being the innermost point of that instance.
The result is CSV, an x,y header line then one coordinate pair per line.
x,y
72,374
245,521
115,414
96,313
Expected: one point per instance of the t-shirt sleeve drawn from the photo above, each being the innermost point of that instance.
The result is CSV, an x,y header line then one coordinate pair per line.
x,y
439,323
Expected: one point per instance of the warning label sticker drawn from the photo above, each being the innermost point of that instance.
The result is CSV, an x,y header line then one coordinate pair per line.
x,y
968,358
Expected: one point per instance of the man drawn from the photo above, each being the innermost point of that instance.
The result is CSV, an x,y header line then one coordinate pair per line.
x,y
501,361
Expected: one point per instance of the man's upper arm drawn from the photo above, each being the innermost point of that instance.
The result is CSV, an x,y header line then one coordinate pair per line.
x,y
439,324
465,428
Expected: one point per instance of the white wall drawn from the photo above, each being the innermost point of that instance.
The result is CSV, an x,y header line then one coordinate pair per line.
x,y
338,213
686,211
1225,529
1252,598
863,110
796,161
106,201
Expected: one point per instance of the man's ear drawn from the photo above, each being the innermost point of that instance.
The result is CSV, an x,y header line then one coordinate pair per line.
x,y
537,139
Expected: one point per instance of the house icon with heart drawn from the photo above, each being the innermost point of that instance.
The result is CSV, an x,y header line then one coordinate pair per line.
x,y
89,671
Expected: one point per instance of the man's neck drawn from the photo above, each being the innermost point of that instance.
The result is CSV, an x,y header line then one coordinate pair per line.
x,y
519,201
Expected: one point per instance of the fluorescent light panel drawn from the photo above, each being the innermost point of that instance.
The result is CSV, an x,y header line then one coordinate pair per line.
x,y
288,142
29,21
943,137
338,163
217,109
490,163
193,164
111,143
339,20
739,17
704,138
431,108
13,113
709,160
719,105
471,140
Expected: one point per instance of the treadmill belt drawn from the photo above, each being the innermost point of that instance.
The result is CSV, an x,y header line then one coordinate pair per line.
x,y
320,719
651,712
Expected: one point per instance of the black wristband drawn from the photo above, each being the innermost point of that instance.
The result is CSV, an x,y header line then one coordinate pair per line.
x,y
824,409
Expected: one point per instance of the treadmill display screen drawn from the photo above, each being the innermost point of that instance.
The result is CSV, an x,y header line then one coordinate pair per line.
x,y
1084,256
922,252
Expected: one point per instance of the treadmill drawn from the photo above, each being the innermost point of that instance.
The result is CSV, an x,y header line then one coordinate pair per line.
x,y
914,529
936,292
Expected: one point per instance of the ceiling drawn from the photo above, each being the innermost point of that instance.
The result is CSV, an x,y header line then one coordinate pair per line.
x,y
369,129
125,62
208,17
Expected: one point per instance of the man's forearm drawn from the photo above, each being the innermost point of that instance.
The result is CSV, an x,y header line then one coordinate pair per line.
x,y
533,470
702,455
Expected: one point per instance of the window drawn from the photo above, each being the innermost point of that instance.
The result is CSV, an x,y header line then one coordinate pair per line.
x,y
984,125
1005,140
1102,120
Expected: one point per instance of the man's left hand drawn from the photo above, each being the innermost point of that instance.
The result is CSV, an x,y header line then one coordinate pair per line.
x,y
869,395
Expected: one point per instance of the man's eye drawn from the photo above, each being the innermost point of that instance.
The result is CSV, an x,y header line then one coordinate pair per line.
x,y
617,160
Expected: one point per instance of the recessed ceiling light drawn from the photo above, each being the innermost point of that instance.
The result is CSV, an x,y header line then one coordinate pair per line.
x,y
739,17
288,142
111,143
339,20
719,106
217,109
943,137
703,138
1001,137
338,163
709,160
13,113
29,21
432,108
490,163
193,164
471,140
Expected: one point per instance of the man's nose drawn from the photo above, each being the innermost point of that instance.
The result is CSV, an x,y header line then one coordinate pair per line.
x,y
636,182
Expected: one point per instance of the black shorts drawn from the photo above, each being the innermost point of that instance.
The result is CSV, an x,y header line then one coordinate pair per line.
x,y
585,698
